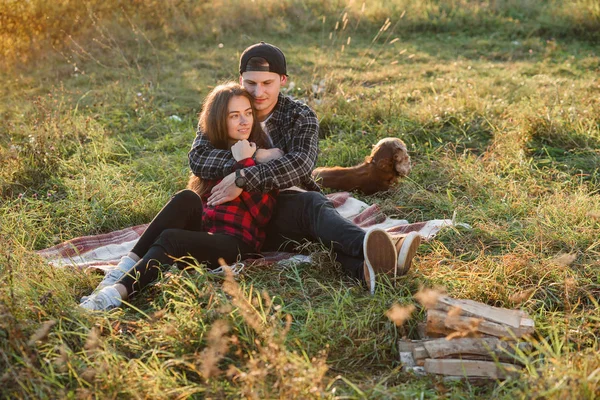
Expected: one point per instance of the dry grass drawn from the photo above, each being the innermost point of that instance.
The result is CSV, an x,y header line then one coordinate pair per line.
x,y
497,101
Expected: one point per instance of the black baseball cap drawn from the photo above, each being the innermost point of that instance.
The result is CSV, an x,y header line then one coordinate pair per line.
x,y
271,53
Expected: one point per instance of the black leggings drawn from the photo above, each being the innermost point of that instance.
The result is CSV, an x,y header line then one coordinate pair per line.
x,y
176,232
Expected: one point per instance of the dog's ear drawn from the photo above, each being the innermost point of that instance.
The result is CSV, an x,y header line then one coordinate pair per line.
x,y
383,156
385,164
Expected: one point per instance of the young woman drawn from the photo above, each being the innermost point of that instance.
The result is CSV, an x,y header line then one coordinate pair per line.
x,y
187,225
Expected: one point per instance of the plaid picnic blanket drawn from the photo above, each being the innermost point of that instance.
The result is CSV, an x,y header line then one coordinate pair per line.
x,y
105,250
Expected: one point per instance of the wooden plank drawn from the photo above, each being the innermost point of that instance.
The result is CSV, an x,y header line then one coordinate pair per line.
x,y
422,330
472,308
525,347
470,368
436,323
405,346
409,345
489,348
474,303
441,348
527,322
488,327
407,360
439,321
473,380
419,353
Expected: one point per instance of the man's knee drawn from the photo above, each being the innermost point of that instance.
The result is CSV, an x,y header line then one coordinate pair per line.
x,y
313,199
295,207
314,205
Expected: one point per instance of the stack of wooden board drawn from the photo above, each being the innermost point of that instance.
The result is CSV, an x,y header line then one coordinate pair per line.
x,y
479,341
465,317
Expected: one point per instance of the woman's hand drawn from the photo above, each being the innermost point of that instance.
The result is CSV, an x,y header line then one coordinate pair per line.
x,y
243,149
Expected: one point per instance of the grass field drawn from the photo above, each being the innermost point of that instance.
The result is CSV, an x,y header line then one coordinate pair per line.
x,y
498,101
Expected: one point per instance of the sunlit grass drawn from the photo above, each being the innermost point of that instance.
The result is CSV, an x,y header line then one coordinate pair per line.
x,y
497,101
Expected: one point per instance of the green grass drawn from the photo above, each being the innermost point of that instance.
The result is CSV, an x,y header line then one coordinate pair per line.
x,y
497,101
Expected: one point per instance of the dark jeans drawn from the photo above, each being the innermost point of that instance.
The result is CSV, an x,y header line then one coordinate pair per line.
x,y
310,215
176,232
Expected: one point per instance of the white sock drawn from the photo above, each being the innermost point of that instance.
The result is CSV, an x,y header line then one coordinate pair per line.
x,y
126,263
134,256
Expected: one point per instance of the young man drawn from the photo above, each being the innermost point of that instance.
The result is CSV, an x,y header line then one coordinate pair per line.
x,y
301,212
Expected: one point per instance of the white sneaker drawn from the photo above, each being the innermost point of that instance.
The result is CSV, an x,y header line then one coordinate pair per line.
x,y
117,273
113,275
407,249
103,300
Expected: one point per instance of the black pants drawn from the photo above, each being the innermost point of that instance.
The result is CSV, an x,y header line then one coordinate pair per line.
x,y
310,215
176,232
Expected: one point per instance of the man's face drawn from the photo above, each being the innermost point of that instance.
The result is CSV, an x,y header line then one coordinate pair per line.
x,y
264,89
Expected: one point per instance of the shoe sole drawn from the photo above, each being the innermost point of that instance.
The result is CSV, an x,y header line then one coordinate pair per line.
x,y
411,243
383,260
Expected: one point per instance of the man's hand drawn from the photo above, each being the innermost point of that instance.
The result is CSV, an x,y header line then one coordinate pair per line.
x,y
243,149
263,156
224,191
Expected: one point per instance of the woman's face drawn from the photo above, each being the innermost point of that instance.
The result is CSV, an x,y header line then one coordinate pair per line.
x,y
239,118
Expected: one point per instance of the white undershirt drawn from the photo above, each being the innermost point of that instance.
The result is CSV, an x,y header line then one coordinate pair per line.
x,y
263,125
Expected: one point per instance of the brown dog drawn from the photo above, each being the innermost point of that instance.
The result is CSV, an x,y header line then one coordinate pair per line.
x,y
389,160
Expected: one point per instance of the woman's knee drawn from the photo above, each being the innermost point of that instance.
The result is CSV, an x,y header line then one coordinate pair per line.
x,y
186,196
168,240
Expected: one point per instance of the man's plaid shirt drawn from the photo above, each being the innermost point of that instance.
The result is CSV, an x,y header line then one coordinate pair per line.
x,y
244,217
293,128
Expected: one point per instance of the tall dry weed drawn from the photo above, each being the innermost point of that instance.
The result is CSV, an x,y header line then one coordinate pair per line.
x,y
271,370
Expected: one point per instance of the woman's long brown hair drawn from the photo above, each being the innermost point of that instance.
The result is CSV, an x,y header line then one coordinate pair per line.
x,y
213,122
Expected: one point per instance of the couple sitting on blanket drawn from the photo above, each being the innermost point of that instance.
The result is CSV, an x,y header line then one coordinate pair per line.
x,y
253,149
